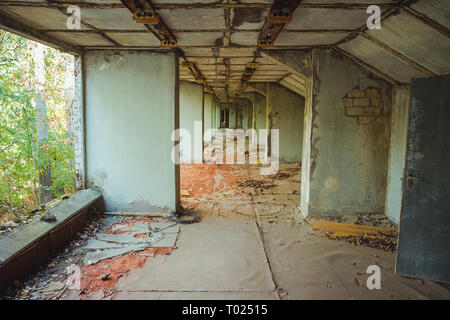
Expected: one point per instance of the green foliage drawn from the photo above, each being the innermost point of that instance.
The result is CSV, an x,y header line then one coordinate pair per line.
x,y
19,162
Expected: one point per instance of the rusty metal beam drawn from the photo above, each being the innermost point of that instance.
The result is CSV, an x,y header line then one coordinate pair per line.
x,y
402,57
11,24
279,15
429,22
163,33
210,47
160,30
368,67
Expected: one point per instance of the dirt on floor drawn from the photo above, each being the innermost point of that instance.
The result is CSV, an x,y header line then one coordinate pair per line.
x,y
251,243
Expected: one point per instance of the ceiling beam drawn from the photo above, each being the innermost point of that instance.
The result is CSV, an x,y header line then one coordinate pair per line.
x,y
11,24
429,22
390,11
164,34
402,57
279,15
368,67
208,30
160,30
99,5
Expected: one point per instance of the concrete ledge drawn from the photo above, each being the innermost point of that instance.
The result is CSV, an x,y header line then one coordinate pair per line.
x,y
26,247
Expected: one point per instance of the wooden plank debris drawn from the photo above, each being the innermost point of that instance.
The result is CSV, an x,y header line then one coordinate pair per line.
x,y
345,229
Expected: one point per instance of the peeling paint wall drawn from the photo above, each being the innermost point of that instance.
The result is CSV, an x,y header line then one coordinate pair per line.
x,y
191,110
397,152
286,113
131,108
348,164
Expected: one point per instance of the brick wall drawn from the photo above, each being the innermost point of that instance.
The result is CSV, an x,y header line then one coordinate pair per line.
x,y
365,105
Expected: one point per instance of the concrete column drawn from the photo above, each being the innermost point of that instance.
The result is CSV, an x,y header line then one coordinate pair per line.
x,y
346,156
208,113
191,110
131,113
232,108
286,113
224,107
250,113
213,113
397,152
260,111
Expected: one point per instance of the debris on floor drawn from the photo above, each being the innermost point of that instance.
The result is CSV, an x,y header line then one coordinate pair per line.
x,y
184,193
257,185
357,234
130,238
105,251
384,242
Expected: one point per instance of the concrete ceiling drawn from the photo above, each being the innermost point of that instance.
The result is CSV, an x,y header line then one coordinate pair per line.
x,y
413,40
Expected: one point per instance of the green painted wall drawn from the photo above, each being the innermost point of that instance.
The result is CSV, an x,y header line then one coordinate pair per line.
x,y
191,110
286,112
130,115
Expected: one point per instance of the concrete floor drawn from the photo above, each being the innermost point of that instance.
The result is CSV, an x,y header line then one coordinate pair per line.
x,y
249,246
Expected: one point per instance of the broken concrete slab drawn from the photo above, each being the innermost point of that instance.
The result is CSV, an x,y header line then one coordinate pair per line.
x,y
138,227
166,227
52,287
94,257
122,238
94,244
167,240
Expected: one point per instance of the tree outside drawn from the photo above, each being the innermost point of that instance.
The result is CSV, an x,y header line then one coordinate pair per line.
x,y
36,150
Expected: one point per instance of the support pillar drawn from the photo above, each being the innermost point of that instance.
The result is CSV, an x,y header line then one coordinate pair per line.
x,y
346,151
192,110
397,151
131,114
285,112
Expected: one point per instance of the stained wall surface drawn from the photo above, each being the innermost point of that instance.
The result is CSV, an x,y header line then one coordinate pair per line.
x,y
348,159
131,106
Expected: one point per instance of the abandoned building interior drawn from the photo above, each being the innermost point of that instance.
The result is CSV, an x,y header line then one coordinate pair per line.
x,y
353,119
